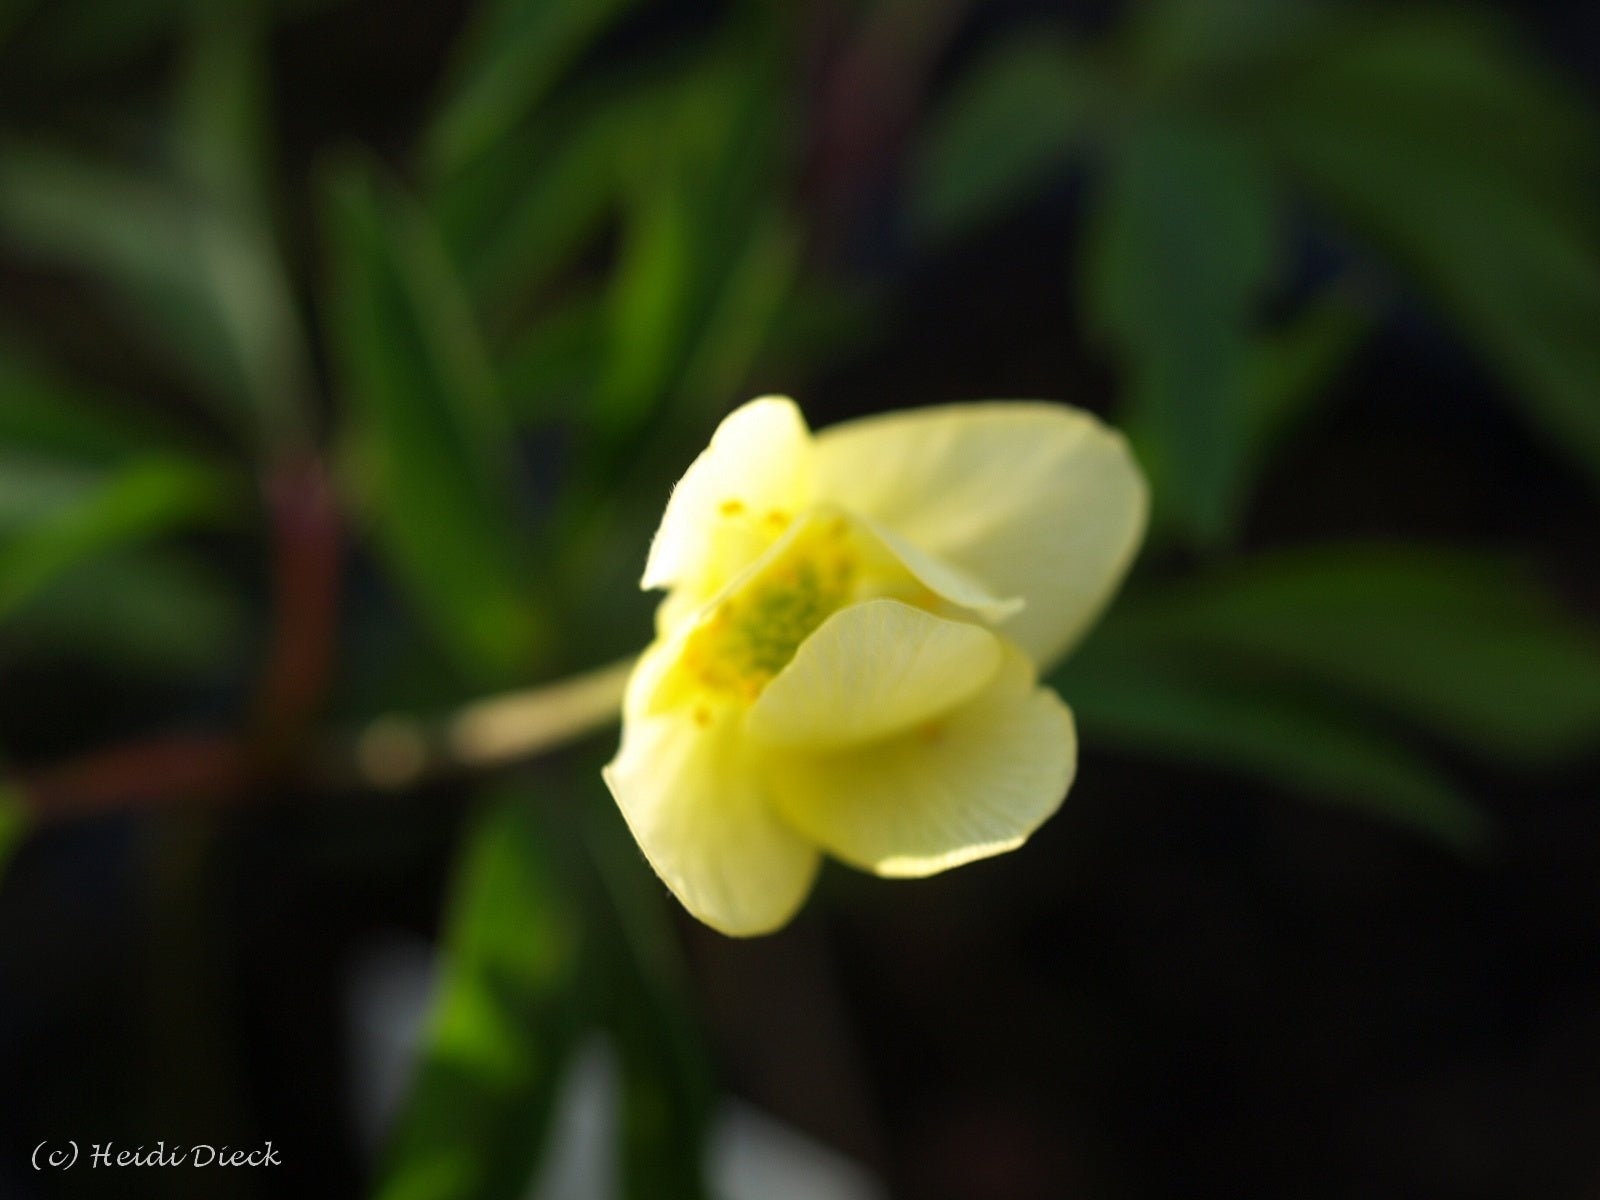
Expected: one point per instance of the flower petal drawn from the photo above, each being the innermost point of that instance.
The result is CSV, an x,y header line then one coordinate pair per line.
x,y
872,670
1035,500
758,465
972,783
946,581
823,562
697,801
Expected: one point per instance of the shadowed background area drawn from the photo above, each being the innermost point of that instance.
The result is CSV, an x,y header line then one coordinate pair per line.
x,y
348,351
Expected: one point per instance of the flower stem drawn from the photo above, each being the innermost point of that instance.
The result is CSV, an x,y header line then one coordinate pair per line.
x,y
398,752
390,754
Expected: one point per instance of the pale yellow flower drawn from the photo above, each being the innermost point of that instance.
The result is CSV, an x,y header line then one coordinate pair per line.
x,y
846,660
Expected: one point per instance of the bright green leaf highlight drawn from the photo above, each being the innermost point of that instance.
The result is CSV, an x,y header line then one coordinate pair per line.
x,y
486,1086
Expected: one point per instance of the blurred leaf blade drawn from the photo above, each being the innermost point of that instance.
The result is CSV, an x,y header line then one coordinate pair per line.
x,y
205,285
143,501
703,220
83,34
1013,120
524,210
169,619
555,365
1464,644
667,1086
1180,252
507,62
1399,112
649,319
46,415
1290,368
220,107
15,823
223,154
1123,695
429,437
745,311
486,1087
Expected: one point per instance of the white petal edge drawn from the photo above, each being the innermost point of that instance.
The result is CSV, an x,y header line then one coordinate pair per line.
x,y
1032,499
975,784
760,458
699,805
870,671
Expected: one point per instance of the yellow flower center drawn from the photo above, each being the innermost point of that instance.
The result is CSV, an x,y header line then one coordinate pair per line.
x,y
754,633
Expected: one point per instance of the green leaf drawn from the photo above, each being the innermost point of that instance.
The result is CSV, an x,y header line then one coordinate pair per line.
x,y
667,1086
140,611
1011,123
1290,368
1429,133
42,414
1126,695
1287,372
554,366
15,823
703,223
143,501
207,286
480,1106
71,37
429,438
1180,253
650,319
531,205
1194,49
1466,645
508,61
220,109
745,312
33,490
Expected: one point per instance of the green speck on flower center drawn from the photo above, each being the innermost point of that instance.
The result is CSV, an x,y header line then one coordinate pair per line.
x,y
755,632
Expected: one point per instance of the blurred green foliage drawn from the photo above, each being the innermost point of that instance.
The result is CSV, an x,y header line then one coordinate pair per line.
x,y
602,251
503,1025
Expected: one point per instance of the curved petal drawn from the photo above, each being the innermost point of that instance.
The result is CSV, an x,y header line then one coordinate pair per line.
x,y
972,783
824,562
698,805
1034,500
948,582
872,670
736,497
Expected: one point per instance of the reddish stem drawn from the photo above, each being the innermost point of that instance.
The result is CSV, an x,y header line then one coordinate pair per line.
x,y
176,768
868,101
209,766
305,526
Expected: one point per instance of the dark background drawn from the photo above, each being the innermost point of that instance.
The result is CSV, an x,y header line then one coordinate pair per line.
x,y
1189,983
